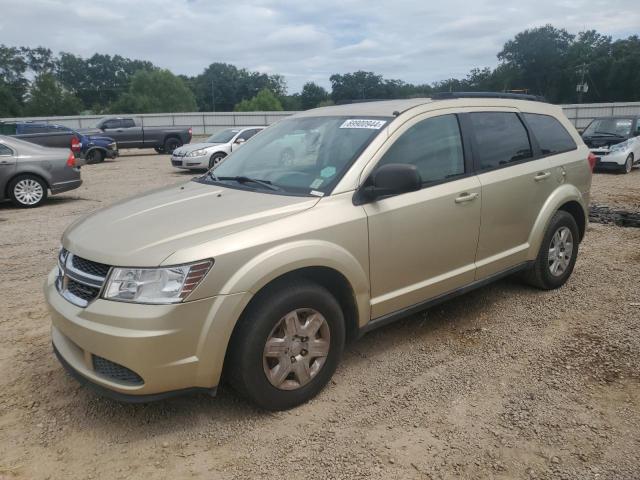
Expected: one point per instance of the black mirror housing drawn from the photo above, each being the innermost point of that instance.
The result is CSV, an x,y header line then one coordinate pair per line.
x,y
388,180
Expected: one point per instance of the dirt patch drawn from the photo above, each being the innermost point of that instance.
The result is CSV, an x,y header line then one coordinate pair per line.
x,y
611,216
505,382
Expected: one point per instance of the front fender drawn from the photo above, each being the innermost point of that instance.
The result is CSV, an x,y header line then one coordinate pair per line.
x,y
285,258
561,195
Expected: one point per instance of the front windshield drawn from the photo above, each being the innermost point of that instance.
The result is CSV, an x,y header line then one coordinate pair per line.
x,y
609,126
305,155
223,136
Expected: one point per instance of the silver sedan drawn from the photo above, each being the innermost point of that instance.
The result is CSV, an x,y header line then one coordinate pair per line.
x,y
28,172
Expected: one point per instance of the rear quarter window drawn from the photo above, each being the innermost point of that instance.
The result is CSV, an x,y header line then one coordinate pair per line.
x,y
552,137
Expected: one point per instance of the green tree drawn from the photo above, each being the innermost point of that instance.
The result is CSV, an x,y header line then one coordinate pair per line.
x,y
9,106
312,94
13,67
155,91
264,101
47,97
291,103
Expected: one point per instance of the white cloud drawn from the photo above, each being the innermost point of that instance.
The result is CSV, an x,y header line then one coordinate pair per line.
x,y
412,40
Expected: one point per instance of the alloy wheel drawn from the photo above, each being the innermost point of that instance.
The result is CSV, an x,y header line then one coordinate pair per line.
x,y
28,191
560,251
296,349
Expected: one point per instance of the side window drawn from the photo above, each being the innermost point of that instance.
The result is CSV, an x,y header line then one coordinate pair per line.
x,y
5,151
247,134
111,124
550,134
7,128
500,138
433,145
127,123
29,128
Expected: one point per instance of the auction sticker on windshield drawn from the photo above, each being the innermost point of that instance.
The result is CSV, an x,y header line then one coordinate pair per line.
x,y
363,123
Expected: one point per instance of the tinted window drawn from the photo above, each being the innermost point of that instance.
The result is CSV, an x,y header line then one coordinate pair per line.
x,y
247,134
550,134
111,124
7,128
28,128
500,138
127,122
4,150
434,146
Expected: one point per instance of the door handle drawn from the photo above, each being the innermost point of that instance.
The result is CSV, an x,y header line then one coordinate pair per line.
x,y
466,197
541,176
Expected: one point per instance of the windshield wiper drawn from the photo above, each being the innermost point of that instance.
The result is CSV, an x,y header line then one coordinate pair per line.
x,y
243,179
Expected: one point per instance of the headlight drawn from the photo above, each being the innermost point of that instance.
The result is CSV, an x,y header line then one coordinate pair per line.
x,y
619,146
197,153
155,285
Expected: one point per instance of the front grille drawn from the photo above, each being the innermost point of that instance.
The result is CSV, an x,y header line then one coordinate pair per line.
x,y
176,163
81,291
80,280
92,268
115,371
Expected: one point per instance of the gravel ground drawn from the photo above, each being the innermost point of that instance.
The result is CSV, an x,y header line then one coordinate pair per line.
x,y
505,382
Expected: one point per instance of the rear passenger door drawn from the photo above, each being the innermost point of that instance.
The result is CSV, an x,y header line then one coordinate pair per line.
x,y
422,244
515,186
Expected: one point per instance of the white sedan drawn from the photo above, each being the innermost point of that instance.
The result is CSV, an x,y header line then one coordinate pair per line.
x,y
210,152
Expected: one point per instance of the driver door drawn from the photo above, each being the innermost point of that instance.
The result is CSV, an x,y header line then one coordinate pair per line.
x,y
423,244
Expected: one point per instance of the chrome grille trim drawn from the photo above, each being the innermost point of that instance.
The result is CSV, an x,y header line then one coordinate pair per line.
x,y
68,272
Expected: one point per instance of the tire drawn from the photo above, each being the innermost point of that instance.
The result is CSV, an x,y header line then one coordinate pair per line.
x,y
628,164
171,144
95,156
27,191
159,150
276,381
541,275
215,159
286,157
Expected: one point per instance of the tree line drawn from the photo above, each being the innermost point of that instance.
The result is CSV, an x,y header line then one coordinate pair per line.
x,y
547,61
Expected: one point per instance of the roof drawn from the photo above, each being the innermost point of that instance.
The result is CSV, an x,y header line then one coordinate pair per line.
x,y
383,108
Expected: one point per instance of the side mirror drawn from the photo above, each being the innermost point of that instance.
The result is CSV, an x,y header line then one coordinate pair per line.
x,y
388,180
239,141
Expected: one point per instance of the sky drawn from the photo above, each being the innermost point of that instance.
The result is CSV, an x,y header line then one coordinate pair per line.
x,y
417,41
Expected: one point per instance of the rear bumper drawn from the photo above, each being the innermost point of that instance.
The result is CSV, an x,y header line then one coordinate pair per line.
x,y
65,186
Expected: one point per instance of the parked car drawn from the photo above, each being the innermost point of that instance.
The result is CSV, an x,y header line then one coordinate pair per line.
x,y
615,141
29,171
210,152
92,148
263,271
128,133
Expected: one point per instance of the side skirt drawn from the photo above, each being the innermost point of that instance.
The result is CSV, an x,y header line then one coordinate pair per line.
x,y
405,312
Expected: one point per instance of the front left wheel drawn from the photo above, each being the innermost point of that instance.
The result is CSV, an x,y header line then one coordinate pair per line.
x,y
287,345
628,164
27,191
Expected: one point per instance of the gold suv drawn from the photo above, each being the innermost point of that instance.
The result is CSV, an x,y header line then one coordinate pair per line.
x,y
260,270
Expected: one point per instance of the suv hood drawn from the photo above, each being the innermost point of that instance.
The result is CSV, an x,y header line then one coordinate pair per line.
x,y
144,230
192,147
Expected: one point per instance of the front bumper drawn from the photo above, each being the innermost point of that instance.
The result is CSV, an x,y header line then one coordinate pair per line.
x,y
109,153
190,162
172,348
606,158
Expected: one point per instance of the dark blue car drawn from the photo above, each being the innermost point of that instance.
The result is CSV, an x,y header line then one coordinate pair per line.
x,y
91,148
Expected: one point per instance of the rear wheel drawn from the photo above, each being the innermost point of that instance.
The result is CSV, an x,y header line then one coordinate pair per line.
x,y
287,345
95,156
27,191
557,255
171,144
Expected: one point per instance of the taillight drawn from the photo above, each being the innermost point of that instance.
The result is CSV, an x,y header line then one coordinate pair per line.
x,y
76,145
71,160
592,160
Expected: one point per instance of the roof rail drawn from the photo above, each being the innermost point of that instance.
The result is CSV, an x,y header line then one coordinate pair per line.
x,y
512,96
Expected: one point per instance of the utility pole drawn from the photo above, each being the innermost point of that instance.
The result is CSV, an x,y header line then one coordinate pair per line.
x,y
582,87
213,97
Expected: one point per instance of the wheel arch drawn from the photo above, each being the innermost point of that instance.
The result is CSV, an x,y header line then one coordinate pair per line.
x,y
566,197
